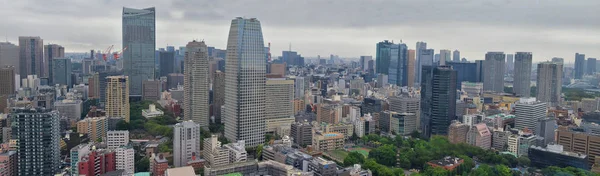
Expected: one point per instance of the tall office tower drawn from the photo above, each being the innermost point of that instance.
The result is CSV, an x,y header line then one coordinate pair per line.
x,y
151,90
549,83
167,63
117,97
479,70
510,63
7,78
38,137
61,71
436,59
9,55
456,56
139,36
398,66
196,84
426,59
51,52
406,104
445,56
522,74
420,46
382,57
218,95
493,79
364,62
186,142
411,68
465,72
558,60
545,128
31,56
527,113
299,86
579,65
245,82
279,106
438,99
591,66
457,132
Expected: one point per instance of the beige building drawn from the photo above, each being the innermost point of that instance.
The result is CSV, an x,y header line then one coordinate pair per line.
x,y
31,56
279,103
347,129
457,132
117,97
328,141
580,142
218,94
299,106
9,55
196,84
278,69
217,155
411,67
94,127
329,113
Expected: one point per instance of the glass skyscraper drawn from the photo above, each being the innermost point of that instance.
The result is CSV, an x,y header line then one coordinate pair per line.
x,y
438,99
244,110
382,57
139,37
398,65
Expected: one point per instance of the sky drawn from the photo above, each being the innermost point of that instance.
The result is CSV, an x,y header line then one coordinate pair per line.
x,y
348,28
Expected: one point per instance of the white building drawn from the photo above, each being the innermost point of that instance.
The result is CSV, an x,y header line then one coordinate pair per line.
x,y
186,142
125,159
217,155
152,112
196,84
116,139
69,108
279,109
527,113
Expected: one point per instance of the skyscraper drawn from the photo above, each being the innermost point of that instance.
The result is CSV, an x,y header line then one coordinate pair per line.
x,y
364,62
51,52
549,83
522,74
465,72
420,46
31,57
579,65
456,56
438,99
527,113
411,68
398,65
590,66
279,106
493,78
61,71
479,70
186,142
445,56
425,59
167,62
7,78
382,57
245,82
9,55
38,136
139,37
196,84
218,95
117,97
510,63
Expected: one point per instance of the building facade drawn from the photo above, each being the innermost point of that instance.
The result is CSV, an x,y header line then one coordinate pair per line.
x,y
31,56
52,52
438,100
493,78
117,97
549,83
196,84
522,74
139,37
186,142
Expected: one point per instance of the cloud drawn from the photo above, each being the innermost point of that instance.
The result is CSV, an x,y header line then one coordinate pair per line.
x,y
349,28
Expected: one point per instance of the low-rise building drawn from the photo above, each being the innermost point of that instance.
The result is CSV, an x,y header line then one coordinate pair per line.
x,y
322,167
95,127
160,164
479,135
301,133
554,155
152,111
328,141
457,132
448,163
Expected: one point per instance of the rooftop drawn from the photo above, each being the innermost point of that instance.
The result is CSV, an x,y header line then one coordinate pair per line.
x,y
447,161
181,171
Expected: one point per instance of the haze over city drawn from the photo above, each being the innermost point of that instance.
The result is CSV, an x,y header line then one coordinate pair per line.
x,y
547,28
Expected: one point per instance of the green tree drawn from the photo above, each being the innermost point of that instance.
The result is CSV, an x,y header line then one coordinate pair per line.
x,y
523,161
122,125
354,158
385,155
259,150
142,165
482,170
502,170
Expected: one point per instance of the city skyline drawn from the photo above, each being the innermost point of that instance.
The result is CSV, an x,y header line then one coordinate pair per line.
x,y
471,33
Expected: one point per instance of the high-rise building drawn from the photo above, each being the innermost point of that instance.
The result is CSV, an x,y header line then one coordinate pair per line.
x,y
364,63
31,56
218,95
7,78
9,55
95,127
117,97
479,135
151,90
445,56
425,59
167,63
456,56
398,65
579,65
277,69
420,46
545,128
411,68
465,72
558,60
125,159
174,79
591,66
196,84
329,113
527,113
522,74
78,153
96,162
61,72
549,83
279,106
301,133
493,79
102,84
245,82
139,37
186,142
479,70
382,57
438,99
406,104
510,63
51,52
38,136
578,140
116,139
457,132
70,109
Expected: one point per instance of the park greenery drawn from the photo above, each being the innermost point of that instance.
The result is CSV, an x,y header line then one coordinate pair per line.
x,y
156,126
395,154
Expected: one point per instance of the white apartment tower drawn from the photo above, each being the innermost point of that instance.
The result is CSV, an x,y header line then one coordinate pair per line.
x,y
527,113
116,139
196,84
245,82
186,142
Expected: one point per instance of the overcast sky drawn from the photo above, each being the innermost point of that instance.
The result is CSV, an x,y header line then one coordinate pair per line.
x,y
349,28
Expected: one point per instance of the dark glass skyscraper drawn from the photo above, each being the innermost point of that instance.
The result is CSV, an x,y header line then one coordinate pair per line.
x,y
438,99
579,65
167,62
591,66
382,57
522,74
139,36
398,66
464,72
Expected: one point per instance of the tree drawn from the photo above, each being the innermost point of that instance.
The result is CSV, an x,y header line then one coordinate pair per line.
x,y
99,140
385,155
483,169
354,158
502,170
142,165
523,161
415,134
354,137
122,125
259,150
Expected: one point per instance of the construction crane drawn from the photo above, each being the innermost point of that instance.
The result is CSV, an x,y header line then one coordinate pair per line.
x,y
117,54
107,51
